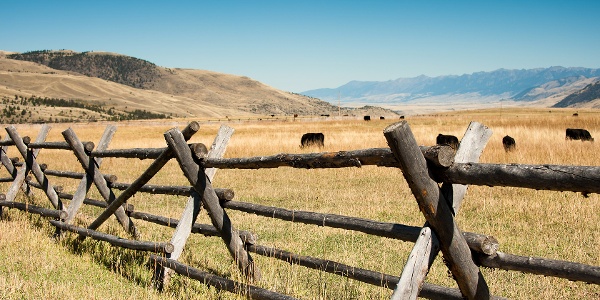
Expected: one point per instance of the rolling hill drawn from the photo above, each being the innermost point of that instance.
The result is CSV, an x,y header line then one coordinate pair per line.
x,y
126,83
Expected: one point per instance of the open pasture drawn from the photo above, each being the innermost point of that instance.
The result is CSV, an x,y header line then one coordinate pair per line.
x,y
558,225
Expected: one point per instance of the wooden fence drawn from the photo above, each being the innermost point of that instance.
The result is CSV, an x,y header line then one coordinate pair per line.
x,y
423,168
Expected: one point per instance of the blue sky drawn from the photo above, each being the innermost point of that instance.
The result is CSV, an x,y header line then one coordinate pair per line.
x,y
302,45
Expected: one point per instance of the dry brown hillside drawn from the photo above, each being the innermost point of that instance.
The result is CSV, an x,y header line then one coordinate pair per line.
x,y
127,83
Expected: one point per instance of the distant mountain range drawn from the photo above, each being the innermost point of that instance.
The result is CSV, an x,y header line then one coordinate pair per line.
x,y
551,84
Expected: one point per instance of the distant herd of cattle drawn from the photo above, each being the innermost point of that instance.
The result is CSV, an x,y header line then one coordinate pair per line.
x,y
508,142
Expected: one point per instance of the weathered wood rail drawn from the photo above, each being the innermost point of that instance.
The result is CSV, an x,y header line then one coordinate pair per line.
x,y
423,168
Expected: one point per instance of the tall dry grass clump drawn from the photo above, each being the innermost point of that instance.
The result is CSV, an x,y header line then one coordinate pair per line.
x,y
558,225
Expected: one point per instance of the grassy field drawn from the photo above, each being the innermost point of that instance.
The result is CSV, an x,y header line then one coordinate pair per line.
x,y
558,225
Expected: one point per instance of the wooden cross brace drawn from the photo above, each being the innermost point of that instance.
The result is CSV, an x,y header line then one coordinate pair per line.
x,y
191,210
86,181
92,170
439,207
31,165
200,181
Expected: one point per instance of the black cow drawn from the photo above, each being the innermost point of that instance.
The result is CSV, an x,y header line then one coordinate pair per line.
x,y
382,118
449,140
508,143
578,134
312,139
367,118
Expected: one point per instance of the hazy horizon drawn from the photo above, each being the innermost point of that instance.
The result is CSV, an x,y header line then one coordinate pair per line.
x,y
308,45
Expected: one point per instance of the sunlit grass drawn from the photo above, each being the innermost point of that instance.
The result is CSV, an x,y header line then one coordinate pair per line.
x,y
558,225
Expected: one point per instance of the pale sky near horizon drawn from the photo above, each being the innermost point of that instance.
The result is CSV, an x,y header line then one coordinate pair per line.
x,y
303,45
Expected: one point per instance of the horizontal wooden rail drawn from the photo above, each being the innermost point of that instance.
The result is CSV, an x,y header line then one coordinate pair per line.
x,y
115,240
382,157
10,142
354,158
77,175
477,242
585,179
204,229
139,153
88,146
542,266
429,291
223,194
42,211
128,207
220,283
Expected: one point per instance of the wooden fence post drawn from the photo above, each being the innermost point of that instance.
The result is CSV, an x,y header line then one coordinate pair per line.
x,y
436,210
87,180
192,208
427,247
99,181
115,205
33,166
218,216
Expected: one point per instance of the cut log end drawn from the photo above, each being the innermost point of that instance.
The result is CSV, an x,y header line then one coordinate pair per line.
x,y
88,146
199,151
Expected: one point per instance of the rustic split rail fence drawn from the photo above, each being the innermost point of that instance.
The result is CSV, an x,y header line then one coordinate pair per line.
x,y
423,168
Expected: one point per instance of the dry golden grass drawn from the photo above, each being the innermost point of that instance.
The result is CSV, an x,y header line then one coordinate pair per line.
x,y
558,225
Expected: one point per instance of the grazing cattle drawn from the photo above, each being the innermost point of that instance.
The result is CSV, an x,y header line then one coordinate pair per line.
x,y
575,115
295,115
382,118
508,143
449,140
312,139
578,134
367,118
324,115
401,117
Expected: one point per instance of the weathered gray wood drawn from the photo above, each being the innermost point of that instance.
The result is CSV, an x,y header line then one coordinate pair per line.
x,y
192,207
413,277
42,211
428,291
12,170
471,147
6,161
32,164
156,165
417,265
542,266
21,174
223,194
87,179
477,242
139,153
98,179
584,179
356,158
436,210
115,240
440,155
128,207
77,175
220,283
88,146
204,229
218,216
26,139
